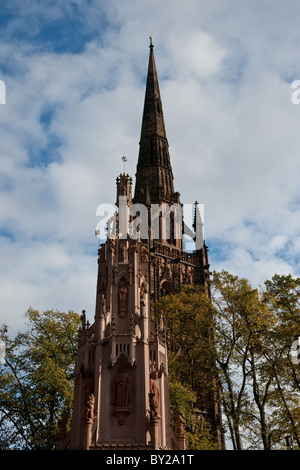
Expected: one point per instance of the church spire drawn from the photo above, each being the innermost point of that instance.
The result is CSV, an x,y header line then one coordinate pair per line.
x,y
153,119
154,165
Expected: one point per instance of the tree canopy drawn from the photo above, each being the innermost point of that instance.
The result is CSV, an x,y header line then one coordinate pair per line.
x,y
255,330
36,380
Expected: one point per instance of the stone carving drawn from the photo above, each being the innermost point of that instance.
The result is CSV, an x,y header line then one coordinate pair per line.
x,y
134,246
154,395
144,254
123,251
143,291
89,408
83,320
169,271
180,425
130,274
122,301
121,395
121,390
103,304
187,274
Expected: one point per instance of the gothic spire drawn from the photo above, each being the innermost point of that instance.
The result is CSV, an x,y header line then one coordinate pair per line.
x,y
153,119
154,165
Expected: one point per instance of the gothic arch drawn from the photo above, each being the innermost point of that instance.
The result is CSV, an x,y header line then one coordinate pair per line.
x,y
166,288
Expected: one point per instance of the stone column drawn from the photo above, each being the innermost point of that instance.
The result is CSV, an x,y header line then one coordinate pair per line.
x,y
87,433
154,428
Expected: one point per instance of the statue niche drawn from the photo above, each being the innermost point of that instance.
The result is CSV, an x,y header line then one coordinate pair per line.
x,y
143,292
123,252
154,396
123,294
88,381
121,395
103,303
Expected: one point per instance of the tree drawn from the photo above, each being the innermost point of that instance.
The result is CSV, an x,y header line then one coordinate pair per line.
x,y
241,320
282,295
183,400
187,318
36,380
260,383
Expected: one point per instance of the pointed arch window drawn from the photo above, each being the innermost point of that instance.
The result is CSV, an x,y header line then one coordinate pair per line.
x,y
166,288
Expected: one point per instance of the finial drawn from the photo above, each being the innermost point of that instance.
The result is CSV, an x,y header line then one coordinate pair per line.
x,y
151,41
124,160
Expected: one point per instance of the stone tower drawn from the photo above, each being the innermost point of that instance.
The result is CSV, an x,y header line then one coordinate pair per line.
x,y
121,388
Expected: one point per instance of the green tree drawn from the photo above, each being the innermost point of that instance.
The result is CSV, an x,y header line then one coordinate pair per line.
x,y
242,321
187,318
282,295
36,380
260,382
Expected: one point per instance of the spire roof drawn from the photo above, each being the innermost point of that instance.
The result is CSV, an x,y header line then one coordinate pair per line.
x,y
154,167
153,119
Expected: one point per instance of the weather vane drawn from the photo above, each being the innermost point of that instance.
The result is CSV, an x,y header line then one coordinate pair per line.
x,y
124,160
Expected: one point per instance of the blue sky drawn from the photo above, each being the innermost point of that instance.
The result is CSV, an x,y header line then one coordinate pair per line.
x,y
75,82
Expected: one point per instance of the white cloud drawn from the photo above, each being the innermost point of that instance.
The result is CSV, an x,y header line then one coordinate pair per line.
x,y
225,71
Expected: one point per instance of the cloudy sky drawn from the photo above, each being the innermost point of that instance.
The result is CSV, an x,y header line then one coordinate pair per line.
x,y
75,74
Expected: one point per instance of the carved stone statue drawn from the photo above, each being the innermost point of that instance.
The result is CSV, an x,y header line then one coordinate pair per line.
x,y
123,301
103,304
89,407
154,395
121,390
123,251
83,320
134,246
144,254
143,291
130,270
179,424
